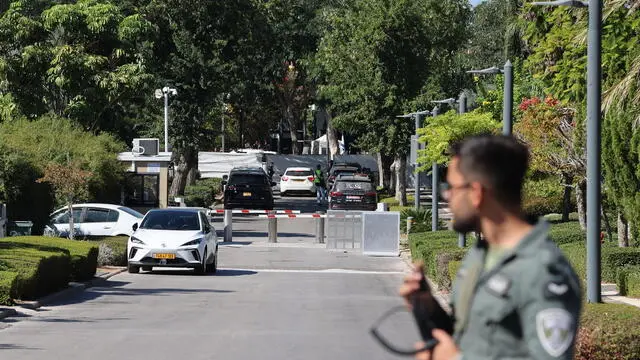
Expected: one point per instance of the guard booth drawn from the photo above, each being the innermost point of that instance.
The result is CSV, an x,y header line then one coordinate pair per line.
x,y
147,185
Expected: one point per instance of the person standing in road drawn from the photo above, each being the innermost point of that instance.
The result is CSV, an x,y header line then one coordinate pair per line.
x,y
515,296
320,183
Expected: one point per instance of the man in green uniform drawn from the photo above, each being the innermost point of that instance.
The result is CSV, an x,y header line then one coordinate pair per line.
x,y
319,182
515,296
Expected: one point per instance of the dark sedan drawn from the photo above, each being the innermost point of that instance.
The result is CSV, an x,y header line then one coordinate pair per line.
x,y
353,193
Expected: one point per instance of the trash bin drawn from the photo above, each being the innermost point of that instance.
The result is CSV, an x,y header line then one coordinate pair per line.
x,y
20,228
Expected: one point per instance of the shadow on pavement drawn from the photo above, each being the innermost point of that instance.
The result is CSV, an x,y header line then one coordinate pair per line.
x,y
16,347
236,243
232,272
250,234
118,288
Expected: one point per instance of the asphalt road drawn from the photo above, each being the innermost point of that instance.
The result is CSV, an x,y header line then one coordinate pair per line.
x,y
290,300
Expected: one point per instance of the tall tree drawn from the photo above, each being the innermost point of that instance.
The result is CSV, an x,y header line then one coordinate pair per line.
x,y
204,50
379,59
79,60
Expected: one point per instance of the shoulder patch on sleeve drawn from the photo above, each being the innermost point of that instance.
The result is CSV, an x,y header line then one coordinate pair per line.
x,y
555,330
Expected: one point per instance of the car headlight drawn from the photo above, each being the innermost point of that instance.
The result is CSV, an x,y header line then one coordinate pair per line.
x,y
193,242
135,240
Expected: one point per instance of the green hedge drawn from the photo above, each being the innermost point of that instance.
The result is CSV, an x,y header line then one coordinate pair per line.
x,y
6,280
615,258
540,206
36,270
608,331
436,249
203,192
629,281
568,232
32,266
83,254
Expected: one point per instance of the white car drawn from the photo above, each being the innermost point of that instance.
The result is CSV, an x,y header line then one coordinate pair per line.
x,y
173,237
94,220
297,179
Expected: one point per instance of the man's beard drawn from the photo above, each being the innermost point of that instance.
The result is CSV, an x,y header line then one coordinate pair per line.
x,y
467,225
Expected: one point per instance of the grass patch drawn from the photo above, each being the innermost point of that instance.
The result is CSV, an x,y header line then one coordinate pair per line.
x,y
609,331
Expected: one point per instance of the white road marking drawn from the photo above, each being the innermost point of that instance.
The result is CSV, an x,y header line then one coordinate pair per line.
x,y
323,271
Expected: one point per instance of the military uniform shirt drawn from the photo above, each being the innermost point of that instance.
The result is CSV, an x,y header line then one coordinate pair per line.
x,y
525,306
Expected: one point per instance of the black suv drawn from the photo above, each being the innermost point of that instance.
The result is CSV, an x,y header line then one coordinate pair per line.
x,y
353,192
248,188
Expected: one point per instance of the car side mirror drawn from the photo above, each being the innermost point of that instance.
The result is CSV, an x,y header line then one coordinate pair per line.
x,y
135,227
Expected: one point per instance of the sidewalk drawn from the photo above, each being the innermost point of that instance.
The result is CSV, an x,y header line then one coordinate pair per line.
x,y
102,274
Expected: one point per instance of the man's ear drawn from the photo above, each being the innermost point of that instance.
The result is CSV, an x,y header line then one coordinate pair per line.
x,y
477,194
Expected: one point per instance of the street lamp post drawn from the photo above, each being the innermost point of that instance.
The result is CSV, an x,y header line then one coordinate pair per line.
x,y
434,187
166,91
594,92
507,109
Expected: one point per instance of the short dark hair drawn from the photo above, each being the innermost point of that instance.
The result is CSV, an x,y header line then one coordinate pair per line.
x,y
499,161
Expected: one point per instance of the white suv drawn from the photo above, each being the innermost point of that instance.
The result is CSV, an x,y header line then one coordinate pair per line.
x,y
297,179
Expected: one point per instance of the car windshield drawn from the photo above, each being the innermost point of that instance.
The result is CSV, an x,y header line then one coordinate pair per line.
x,y
171,220
354,185
246,179
345,171
299,173
131,212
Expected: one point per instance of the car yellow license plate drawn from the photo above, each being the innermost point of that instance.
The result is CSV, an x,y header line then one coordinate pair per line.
x,y
246,194
164,256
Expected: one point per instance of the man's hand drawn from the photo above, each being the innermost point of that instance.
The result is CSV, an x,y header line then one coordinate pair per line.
x,y
446,348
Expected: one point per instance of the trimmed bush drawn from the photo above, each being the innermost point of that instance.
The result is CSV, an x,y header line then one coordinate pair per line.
x,y
40,270
608,331
83,254
6,281
436,249
540,206
629,281
113,251
568,232
202,193
614,258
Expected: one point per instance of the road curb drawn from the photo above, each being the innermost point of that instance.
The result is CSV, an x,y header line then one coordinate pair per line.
x,y
74,288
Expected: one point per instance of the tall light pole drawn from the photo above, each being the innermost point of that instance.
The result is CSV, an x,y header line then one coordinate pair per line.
x,y
166,91
507,107
434,187
594,92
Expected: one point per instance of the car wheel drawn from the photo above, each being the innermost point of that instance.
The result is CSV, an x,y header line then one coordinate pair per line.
x,y
133,269
202,268
213,267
